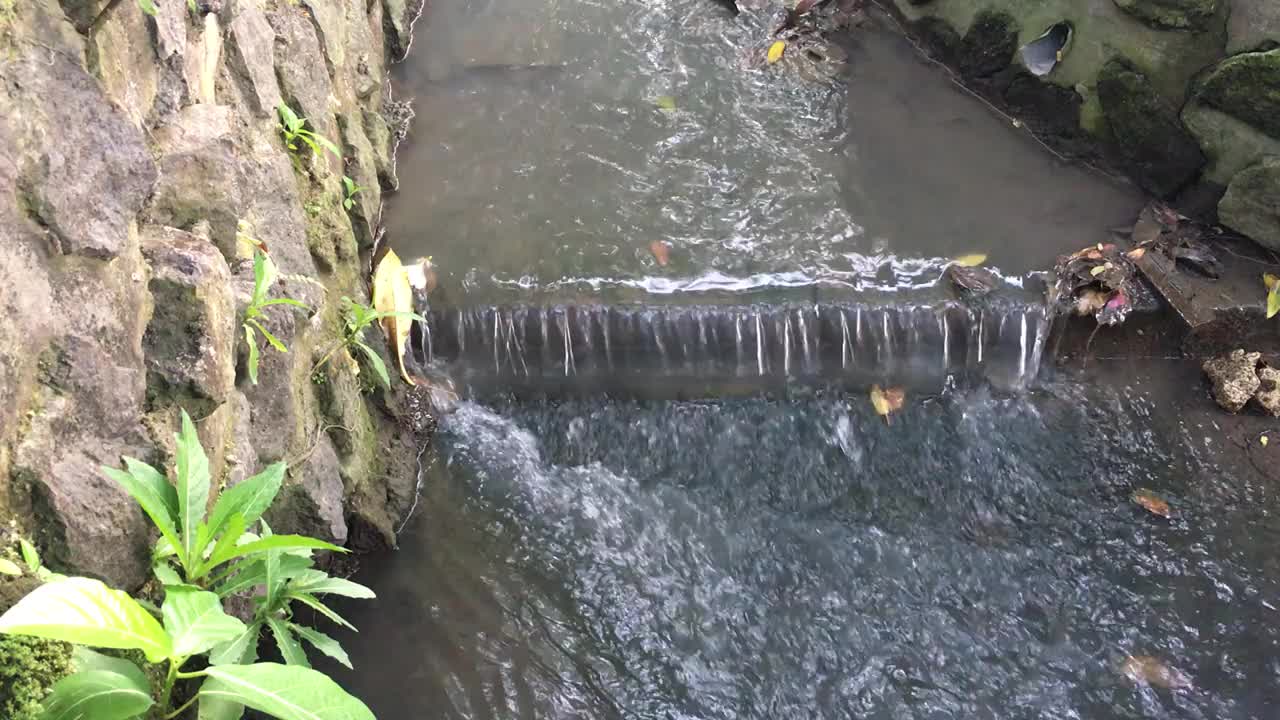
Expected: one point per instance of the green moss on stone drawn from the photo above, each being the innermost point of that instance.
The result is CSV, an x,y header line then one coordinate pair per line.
x,y
1171,14
1159,152
1247,87
989,44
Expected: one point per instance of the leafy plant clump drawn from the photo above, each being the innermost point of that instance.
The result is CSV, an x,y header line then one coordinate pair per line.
x,y
350,190
264,274
357,318
201,558
294,129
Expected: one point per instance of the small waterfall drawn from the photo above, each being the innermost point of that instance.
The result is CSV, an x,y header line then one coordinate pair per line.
x,y
888,343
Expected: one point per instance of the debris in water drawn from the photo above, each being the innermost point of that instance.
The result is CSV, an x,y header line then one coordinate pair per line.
x,y
1152,503
1264,440
1098,280
392,293
1044,53
1234,377
775,51
971,260
887,401
971,280
1147,670
1090,301
1273,294
661,252
665,102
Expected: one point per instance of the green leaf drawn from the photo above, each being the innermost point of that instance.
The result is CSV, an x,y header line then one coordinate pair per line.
x,y
8,567
327,145
1273,301
231,536
286,301
288,117
240,650
254,573
196,621
86,659
275,342
375,361
322,642
86,612
253,354
287,692
193,489
311,602
97,694
30,556
152,492
261,278
148,7
275,542
250,498
290,649
167,575
215,706
317,582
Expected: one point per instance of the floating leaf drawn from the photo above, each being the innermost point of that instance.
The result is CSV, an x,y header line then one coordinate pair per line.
x,y
1270,281
1146,670
775,51
887,400
1151,502
1273,302
1264,440
661,252
665,102
393,294
971,260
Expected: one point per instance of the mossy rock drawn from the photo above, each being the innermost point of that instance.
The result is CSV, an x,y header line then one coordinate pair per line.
x,y
1247,87
1171,14
1160,154
988,46
1252,203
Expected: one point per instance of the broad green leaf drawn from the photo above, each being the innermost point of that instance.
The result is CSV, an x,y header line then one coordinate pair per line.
x,y
193,489
97,695
253,354
275,542
253,573
311,602
261,278
148,7
286,301
214,704
1273,301
86,612
85,659
30,556
290,649
322,642
327,144
231,535
378,366
318,582
250,498
287,692
240,650
153,493
156,480
196,621
272,339
166,574
9,567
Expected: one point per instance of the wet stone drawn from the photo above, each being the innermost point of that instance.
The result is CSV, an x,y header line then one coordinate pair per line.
x,y
1234,378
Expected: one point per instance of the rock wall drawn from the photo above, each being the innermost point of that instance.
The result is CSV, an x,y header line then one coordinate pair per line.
x,y
133,150
1183,94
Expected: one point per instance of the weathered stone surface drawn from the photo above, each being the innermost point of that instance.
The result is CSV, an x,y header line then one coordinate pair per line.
x,y
250,47
190,341
1252,203
198,178
302,69
1234,378
362,167
310,503
1252,24
988,45
1171,14
380,135
87,186
1248,87
273,205
398,18
1158,151
1268,394
1230,144
171,29
242,459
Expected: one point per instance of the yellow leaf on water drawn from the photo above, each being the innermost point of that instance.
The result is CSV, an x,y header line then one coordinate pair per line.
x,y
775,51
1273,301
1264,440
879,401
1270,280
392,293
887,401
665,102
971,260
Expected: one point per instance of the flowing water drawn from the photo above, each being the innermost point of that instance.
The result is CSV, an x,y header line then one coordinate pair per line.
x,y
667,496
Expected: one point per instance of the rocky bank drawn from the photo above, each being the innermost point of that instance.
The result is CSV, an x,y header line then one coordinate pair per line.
x,y
135,149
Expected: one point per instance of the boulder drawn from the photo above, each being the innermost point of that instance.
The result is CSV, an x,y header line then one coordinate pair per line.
x,y
1229,144
1156,149
1268,394
988,45
190,341
250,46
1252,203
1252,24
124,59
1172,14
1246,86
198,178
1234,378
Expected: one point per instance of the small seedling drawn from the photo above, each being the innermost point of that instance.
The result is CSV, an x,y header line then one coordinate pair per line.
x,y
294,129
358,317
264,274
351,189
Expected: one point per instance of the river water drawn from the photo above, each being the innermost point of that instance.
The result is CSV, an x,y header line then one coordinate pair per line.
x,y
666,494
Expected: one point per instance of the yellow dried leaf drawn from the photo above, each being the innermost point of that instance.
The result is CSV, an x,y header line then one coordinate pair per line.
x,y
775,51
1146,670
1136,253
1264,440
1270,280
972,260
665,102
1273,302
879,401
392,293
1151,502
895,397
1097,270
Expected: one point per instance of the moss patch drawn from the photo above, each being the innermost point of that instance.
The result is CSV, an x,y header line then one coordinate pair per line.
x,y
1158,151
1247,87
1171,14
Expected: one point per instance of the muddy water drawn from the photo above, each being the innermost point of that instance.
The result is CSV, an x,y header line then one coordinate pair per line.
x,y
592,553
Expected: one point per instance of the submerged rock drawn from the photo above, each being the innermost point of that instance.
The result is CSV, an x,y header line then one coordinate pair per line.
x,y
1159,152
1234,377
1171,14
1252,203
988,46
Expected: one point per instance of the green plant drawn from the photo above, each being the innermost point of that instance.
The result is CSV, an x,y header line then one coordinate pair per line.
x,y
295,130
202,556
350,189
30,558
264,274
356,318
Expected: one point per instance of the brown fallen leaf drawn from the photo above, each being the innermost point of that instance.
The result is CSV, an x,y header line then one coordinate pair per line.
x,y
661,252
1147,670
1136,253
1151,502
1090,301
887,401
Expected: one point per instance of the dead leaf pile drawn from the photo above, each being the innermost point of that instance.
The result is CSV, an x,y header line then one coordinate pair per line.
x,y
1098,281
809,31
887,401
